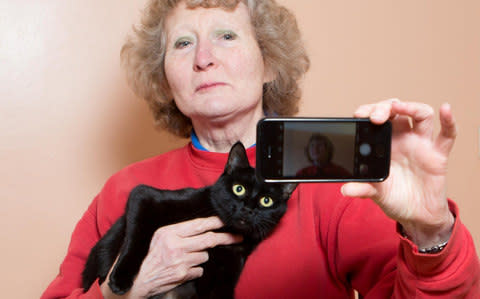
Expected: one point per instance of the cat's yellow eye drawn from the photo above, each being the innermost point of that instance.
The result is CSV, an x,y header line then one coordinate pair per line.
x,y
238,190
266,202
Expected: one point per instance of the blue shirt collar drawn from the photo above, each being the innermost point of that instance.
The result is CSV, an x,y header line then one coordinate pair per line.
x,y
196,143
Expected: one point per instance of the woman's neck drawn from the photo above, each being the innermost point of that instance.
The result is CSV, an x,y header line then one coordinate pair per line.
x,y
320,163
220,135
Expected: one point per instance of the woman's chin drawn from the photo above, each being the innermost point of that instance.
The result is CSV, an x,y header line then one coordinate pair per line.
x,y
217,114
214,117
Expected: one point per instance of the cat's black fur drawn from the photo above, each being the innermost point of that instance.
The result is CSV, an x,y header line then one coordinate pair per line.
x,y
149,208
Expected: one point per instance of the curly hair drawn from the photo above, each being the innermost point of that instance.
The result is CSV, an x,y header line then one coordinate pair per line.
x,y
278,38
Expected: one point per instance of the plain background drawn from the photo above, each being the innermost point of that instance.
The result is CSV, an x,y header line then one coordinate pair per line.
x,y
68,121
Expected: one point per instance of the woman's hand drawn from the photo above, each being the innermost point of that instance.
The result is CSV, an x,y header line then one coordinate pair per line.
x,y
414,194
175,253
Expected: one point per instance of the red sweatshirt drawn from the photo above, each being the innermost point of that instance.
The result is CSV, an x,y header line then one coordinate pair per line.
x,y
325,246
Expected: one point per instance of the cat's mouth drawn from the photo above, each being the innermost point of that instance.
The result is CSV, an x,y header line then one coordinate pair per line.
x,y
241,225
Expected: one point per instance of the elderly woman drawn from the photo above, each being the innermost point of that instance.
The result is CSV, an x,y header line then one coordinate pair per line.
x,y
212,69
319,152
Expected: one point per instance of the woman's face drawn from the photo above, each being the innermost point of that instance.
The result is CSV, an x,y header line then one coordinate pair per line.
x,y
317,149
213,63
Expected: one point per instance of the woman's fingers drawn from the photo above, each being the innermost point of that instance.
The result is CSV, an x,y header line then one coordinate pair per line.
x,y
378,113
191,270
197,235
421,114
178,250
209,240
364,111
382,111
448,130
196,226
192,273
196,258
362,190
416,116
176,253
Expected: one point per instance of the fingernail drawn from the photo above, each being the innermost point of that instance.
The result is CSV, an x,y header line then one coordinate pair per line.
x,y
376,116
360,111
357,111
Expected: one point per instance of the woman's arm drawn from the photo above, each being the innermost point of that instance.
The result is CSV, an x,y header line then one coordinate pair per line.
x,y
174,256
378,263
175,252
68,282
414,195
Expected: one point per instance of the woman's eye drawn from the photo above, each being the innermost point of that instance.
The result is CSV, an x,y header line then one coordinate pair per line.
x,y
183,43
227,35
238,190
266,202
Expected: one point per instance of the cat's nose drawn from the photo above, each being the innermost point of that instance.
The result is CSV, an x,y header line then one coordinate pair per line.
x,y
247,210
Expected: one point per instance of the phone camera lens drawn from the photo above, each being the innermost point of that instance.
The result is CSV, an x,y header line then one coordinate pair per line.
x,y
365,149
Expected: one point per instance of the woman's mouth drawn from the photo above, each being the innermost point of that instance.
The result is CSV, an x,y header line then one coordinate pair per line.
x,y
208,86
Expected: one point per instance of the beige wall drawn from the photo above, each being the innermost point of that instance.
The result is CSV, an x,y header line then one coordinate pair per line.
x,y
68,121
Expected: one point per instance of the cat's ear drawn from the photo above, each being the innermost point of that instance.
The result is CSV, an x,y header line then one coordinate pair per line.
x,y
237,158
288,189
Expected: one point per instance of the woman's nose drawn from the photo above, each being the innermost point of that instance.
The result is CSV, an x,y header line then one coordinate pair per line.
x,y
204,57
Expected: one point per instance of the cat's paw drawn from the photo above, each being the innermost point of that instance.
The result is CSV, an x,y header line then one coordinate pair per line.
x,y
119,286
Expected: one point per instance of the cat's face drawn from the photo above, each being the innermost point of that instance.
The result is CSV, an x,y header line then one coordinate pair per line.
x,y
245,204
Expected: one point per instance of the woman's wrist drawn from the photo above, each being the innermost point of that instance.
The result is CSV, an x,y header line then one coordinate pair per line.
x,y
430,238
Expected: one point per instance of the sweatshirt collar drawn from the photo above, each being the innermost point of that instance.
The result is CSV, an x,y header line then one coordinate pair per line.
x,y
205,159
196,142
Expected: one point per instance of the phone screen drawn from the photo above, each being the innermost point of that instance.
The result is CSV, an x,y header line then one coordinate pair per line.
x,y
326,150
322,149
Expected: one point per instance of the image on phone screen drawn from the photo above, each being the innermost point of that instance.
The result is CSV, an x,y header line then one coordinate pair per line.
x,y
327,149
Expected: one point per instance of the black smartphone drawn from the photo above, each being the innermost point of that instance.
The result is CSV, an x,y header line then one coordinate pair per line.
x,y
322,150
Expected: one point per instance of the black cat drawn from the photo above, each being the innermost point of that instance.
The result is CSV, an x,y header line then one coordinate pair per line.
x,y
245,205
